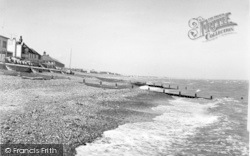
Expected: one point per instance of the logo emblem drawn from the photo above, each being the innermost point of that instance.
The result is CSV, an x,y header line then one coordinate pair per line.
x,y
210,28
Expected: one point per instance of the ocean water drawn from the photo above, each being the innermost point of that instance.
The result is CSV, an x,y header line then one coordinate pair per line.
x,y
185,126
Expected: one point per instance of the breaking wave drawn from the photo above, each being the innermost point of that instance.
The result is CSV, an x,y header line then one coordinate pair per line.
x,y
177,122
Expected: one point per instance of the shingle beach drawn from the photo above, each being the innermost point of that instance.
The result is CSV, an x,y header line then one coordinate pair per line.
x,y
64,110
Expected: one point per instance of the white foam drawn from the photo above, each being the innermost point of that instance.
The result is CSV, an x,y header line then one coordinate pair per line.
x,y
151,138
156,89
198,90
144,87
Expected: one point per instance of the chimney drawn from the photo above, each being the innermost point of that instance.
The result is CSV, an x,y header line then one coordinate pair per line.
x,y
21,39
44,53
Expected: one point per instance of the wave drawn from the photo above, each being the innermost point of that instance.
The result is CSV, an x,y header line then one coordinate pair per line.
x,y
177,123
157,89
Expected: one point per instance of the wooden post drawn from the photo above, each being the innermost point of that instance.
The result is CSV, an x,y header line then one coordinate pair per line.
x,y
115,85
148,88
168,86
83,80
211,97
179,93
195,95
163,90
132,86
100,82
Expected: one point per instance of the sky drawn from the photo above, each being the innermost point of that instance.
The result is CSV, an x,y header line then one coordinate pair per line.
x,y
132,37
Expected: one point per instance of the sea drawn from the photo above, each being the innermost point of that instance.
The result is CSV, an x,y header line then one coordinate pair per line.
x,y
185,127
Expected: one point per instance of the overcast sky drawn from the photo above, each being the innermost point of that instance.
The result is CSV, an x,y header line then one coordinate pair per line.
x,y
133,37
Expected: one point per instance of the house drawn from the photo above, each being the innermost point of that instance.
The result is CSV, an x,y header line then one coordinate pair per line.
x,y
22,51
51,62
29,54
4,48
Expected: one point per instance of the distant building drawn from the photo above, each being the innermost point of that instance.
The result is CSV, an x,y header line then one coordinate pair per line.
x,y
79,70
3,48
104,72
93,71
84,71
51,62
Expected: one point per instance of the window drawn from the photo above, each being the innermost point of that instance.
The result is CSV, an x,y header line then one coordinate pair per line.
x,y
4,44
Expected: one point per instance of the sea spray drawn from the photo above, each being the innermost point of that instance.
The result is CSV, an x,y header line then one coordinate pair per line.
x,y
164,136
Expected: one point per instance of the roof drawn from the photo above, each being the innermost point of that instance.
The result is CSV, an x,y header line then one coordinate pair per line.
x,y
34,51
48,58
4,37
30,49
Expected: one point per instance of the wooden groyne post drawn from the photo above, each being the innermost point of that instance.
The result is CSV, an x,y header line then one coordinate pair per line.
x,y
100,82
83,80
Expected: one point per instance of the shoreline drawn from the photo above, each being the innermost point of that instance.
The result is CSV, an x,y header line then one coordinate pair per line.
x,y
64,111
